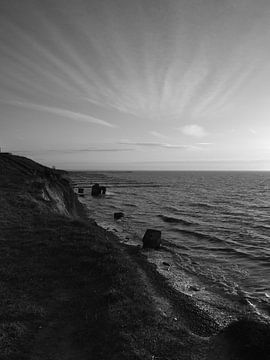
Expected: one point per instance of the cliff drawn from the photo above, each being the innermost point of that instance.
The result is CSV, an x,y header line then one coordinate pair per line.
x,y
70,290
48,188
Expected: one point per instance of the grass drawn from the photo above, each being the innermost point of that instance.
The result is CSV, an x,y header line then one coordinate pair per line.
x,y
55,272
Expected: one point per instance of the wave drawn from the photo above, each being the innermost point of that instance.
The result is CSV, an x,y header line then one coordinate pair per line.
x,y
171,219
263,259
205,205
199,234
262,227
240,253
259,207
136,186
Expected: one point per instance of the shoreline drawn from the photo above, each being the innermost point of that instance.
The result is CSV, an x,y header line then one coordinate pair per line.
x,y
222,310
188,272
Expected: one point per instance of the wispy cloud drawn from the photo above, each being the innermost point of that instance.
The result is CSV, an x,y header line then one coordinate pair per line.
x,y
104,150
205,143
193,130
220,94
155,144
134,67
76,116
70,151
157,134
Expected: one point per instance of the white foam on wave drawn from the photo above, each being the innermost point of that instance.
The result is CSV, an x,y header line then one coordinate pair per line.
x,y
110,193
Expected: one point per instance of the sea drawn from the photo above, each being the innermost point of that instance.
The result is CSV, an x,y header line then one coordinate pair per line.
x,y
215,231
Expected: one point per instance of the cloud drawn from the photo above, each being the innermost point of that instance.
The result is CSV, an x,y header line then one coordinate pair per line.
x,y
102,150
59,112
157,134
193,130
136,67
204,143
155,144
70,151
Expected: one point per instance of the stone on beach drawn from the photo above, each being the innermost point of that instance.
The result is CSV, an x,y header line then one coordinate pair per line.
x,y
251,338
246,339
165,263
152,239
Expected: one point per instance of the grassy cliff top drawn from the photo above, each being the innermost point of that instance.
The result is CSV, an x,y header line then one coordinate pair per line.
x,y
20,165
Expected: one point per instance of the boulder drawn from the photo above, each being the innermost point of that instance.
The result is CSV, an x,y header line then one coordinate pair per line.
x,y
95,190
80,191
103,190
98,190
152,239
118,215
251,338
165,263
246,339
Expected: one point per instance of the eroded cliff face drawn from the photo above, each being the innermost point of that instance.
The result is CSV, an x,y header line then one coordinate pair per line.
x,y
56,195
49,189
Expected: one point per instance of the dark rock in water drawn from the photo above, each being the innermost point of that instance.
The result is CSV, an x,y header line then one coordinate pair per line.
x,y
246,339
103,190
80,190
95,190
98,190
118,215
152,239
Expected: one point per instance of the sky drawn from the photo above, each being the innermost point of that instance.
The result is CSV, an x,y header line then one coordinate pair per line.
x,y
136,84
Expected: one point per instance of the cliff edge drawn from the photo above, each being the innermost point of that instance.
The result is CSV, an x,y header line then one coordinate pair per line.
x,y
49,188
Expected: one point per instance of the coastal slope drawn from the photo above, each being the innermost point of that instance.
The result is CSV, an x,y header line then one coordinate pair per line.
x,y
70,290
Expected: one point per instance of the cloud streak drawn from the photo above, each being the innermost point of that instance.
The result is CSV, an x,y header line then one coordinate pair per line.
x,y
157,134
76,116
71,151
156,145
168,69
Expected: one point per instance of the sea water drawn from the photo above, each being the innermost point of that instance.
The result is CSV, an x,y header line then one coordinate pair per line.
x,y
215,229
